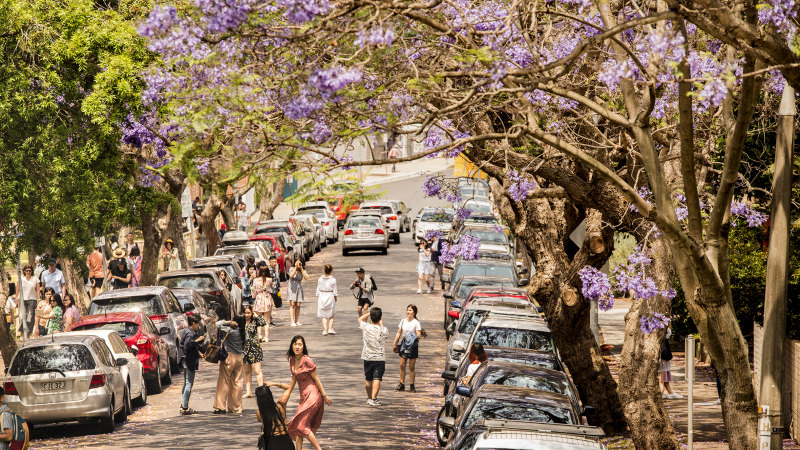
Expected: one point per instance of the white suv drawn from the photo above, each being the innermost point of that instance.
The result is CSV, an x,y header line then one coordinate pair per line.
x,y
433,219
327,218
389,214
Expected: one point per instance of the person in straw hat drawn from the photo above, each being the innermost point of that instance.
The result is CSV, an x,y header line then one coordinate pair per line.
x,y
119,275
170,256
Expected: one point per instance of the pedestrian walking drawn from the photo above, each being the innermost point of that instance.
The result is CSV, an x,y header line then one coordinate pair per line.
x,y
169,254
135,257
229,381
308,417
297,275
665,369
253,354
71,313
272,415
373,335
424,268
248,275
29,294
43,309
363,289
190,360
327,295
131,244
54,278
9,427
95,264
55,316
263,300
438,267
275,292
242,218
119,276
406,341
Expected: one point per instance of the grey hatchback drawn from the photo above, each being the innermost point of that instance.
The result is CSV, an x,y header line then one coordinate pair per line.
x,y
67,378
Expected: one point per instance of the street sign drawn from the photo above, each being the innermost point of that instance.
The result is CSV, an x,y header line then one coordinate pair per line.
x,y
186,203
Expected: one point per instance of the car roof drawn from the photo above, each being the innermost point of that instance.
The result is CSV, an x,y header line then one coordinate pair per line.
x,y
317,204
524,369
112,317
133,292
523,395
517,323
184,272
486,278
184,291
377,203
504,307
479,262
521,353
214,260
273,222
96,332
59,338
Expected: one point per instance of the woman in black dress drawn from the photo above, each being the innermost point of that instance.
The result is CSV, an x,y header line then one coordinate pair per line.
x,y
273,420
253,355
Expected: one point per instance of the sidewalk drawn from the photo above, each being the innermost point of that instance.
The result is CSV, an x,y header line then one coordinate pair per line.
x,y
375,175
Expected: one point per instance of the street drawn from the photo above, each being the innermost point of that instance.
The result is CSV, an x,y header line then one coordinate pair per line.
x,y
405,420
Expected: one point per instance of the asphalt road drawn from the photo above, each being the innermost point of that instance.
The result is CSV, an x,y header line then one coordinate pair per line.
x,y
405,421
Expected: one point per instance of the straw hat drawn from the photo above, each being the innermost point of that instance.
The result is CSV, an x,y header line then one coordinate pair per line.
x,y
118,252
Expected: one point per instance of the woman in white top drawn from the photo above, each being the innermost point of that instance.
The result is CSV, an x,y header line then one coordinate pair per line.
x,y
424,266
29,297
408,333
477,356
326,300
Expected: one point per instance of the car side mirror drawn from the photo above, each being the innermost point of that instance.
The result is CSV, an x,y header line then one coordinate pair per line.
x,y
523,270
458,346
523,282
456,305
163,331
452,327
121,362
463,391
539,309
188,307
134,350
447,422
449,375
448,295
588,411
289,247
446,276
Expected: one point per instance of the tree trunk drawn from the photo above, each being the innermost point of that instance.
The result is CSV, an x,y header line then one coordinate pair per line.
x,y
154,225
271,199
8,343
174,231
227,210
76,285
211,209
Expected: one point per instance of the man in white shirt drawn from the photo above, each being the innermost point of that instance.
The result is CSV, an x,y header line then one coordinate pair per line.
x,y
374,335
243,220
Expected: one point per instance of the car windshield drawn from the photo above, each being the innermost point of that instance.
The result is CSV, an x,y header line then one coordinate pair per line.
x,y
205,282
483,269
490,408
478,208
532,381
363,222
469,283
489,237
514,338
382,209
469,319
481,219
273,229
148,304
438,217
59,357
124,329
319,213
524,359
469,192
237,251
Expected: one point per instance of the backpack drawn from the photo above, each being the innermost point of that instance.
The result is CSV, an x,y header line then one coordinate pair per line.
x,y
18,437
666,352
374,284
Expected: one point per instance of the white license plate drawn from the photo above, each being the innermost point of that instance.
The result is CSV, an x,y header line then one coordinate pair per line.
x,y
53,385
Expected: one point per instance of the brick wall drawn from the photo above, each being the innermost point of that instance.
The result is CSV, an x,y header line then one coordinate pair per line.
x,y
791,380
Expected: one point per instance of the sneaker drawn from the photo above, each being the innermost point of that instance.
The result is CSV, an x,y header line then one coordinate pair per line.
x,y
411,388
400,387
266,339
371,402
376,402
428,291
331,331
293,324
676,396
272,324
665,395
299,324
419,291
324,332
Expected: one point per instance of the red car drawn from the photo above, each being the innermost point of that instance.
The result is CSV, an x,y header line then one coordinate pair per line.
x,y
141,336
279,251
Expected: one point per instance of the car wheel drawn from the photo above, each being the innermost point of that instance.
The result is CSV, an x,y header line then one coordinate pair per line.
x,y
385,251
107,421
173,366
345,252
442,434
123,412
128,406
155,384
142,399
168,377
397,238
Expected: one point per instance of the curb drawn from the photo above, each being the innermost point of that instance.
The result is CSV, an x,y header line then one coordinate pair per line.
x,y
405,176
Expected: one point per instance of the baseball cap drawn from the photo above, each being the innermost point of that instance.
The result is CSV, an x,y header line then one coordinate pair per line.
x,y
360,270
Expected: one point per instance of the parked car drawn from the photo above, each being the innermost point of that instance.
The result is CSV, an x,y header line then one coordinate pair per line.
x,y
462,328
301,243
208,284
311,222
486,268
157,302
479,292
364,233
520,435
390,215
478,207
258,252
308,231
546,359
132,372
327,218
191,297
490,240
141,336
64,378
432,219
458,292
510,331
494,401
402,212
230,263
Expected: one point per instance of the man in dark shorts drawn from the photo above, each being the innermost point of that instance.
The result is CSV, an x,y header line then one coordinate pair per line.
x,y
374,335
363,290
95,264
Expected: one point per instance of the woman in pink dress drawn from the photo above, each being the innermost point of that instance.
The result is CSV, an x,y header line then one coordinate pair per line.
x,y
308,417
263,300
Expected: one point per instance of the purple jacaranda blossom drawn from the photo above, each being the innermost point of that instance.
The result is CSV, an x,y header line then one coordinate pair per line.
x,y
651,322
203,165
223,15
712,94
596,286
432,187
160,19
462,214
498,228
666,44
782,14
742,209
327,82
521,185
466,248
433,234
375,36
301,106
645,193
437,137
613,72
300,11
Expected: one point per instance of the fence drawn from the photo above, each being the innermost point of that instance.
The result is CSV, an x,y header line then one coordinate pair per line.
x,y
791,380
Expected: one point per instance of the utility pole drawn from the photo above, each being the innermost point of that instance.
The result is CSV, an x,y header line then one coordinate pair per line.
x,y
772,346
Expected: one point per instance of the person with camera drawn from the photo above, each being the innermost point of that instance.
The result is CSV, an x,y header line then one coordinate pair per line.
x,y
363,290
424,266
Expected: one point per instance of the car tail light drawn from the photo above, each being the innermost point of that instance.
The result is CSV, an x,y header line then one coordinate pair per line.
x,y
348,232
216,292
158,318
10,389
191,313
327,223
98,380
378,231
454,314
392,217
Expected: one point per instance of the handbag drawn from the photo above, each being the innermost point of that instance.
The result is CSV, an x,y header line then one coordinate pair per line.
x,y
216,352
276,300
666,352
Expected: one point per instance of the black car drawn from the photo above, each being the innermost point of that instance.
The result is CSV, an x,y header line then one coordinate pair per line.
x,y
231,263
207,283
493,401
458,292
485,268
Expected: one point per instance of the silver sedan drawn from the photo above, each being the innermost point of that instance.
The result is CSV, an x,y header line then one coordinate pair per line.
x,y
364,233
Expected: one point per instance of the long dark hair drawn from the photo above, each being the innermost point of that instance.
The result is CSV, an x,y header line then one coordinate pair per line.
x,y
271,417
414,308
71,299
239,319
57,298
290,352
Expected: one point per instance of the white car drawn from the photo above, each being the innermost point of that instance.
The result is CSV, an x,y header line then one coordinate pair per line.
x,y
402,215
518,435
389,214
327,218
132,372
433,219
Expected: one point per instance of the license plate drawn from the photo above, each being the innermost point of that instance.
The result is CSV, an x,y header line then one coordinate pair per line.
x,y
53,385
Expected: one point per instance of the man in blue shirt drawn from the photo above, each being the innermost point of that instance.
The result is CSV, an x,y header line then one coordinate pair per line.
x,y
53,278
